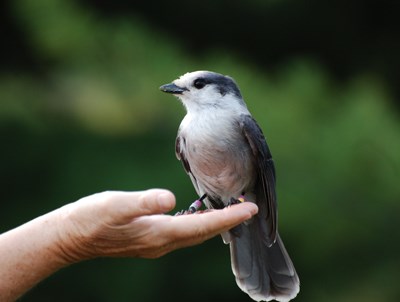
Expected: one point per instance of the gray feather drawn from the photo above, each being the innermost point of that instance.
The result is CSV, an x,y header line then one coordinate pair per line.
x,y
264,273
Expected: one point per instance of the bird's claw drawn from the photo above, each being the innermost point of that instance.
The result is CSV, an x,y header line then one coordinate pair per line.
x,y
236,200
196,205
192,209
182,212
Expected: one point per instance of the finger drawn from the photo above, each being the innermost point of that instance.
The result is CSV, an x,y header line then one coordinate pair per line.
x,y
124,206
194,229
155,201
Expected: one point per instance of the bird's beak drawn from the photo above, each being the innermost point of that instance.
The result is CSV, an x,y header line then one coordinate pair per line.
x,y
172,88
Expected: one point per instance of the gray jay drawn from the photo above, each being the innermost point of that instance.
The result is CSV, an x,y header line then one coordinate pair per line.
x,y
224,151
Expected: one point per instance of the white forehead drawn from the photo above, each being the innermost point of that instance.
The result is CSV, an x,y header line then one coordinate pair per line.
x,y
187,79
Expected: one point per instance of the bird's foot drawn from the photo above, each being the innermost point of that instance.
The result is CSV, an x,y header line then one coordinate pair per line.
x,y
194,207
233,200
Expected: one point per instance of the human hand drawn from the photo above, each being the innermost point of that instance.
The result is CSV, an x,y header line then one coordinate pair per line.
x,y
133,224
113,224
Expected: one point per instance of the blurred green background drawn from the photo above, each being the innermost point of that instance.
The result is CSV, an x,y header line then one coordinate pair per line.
x,y
80,112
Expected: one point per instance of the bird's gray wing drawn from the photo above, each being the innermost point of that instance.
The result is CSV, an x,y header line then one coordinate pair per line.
x,y
180,154
266,174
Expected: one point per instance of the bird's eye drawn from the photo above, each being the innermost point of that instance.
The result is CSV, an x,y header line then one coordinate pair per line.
x,y
199,83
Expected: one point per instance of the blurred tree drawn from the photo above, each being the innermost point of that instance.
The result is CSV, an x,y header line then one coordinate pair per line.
x,y
348,37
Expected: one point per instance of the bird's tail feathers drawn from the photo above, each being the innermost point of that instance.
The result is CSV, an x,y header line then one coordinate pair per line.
x,y
264,273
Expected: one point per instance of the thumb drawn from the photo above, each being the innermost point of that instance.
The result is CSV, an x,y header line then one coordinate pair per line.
x,y
134,204
154,201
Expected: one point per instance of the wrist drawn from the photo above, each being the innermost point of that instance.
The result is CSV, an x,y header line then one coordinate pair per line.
x,y
73,243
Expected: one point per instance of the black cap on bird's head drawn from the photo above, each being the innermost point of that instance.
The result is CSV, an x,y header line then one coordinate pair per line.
x,y
199,79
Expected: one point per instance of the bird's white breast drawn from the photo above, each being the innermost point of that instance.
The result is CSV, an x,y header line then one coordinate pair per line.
x,y
217,152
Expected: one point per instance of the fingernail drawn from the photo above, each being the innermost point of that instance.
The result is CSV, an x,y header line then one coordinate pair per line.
x,y
253,209
165,201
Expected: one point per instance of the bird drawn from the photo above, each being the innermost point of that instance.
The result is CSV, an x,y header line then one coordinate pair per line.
x,y
225,154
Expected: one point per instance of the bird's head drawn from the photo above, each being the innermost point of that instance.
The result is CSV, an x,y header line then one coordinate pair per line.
x,y
205,89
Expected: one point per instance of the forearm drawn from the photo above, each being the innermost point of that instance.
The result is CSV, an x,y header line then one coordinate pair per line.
x,y
28,254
